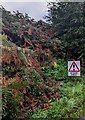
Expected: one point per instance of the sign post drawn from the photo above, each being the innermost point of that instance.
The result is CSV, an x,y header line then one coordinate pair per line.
x,y
73,68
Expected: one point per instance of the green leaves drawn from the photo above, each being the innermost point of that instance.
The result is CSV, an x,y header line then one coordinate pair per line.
x,y
70,105
68,20
57,71
9,104
17,85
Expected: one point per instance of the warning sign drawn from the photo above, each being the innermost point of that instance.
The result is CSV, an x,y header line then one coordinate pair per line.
x,y
73,68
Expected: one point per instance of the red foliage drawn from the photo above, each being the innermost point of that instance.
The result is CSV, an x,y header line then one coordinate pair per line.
x,y
9,57
27,41
32,62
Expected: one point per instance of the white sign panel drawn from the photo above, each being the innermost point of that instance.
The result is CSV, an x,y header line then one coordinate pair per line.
x,y
73,68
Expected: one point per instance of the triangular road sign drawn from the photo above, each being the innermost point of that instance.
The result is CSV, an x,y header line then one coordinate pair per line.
x,y
74,67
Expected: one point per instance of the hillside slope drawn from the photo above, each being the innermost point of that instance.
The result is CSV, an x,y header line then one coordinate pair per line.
x,y
34,77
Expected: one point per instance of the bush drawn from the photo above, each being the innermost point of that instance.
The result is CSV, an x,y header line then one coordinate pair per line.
x,y
70,105
10,105
58,70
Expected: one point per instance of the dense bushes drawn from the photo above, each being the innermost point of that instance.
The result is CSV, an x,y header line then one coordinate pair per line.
x,y
33,91
68,19
35,76
70,104
57,70
35,97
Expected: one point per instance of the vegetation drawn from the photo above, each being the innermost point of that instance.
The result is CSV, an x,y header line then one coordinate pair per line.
x,y
68,19
70,104
35,82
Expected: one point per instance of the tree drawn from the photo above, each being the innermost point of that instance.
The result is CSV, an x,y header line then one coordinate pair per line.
x,y
68,19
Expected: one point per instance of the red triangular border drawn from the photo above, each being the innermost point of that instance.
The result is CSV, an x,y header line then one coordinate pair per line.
x,y
73,70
